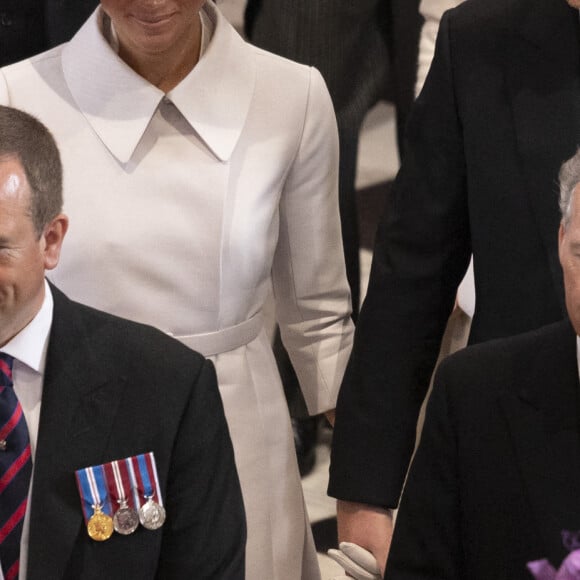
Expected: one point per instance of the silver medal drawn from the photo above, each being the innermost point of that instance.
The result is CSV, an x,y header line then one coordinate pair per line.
x,y
126,519
151,514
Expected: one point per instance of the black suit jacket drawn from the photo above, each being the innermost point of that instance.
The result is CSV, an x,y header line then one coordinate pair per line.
x,y
496,479
499,113
28,27
114,389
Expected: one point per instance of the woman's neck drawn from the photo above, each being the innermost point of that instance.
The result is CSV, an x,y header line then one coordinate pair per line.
x,y
166,69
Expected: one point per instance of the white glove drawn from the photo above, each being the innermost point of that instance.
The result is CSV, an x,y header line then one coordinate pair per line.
x,y
356,561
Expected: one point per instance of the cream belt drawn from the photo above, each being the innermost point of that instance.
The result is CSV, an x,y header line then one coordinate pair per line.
x,y
220,341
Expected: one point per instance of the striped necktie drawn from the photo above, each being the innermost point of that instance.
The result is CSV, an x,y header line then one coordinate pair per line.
x,y
15,470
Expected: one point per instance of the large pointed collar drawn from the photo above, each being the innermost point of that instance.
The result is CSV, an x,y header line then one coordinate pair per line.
x,y
118,103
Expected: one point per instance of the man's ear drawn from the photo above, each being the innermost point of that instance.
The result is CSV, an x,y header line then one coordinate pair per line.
x,y
52,239
561,234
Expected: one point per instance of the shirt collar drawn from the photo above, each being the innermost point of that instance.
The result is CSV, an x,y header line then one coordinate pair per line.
x,y
118,103
578,353
30,345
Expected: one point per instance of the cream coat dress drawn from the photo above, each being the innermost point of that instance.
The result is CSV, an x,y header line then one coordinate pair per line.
x,y
186,209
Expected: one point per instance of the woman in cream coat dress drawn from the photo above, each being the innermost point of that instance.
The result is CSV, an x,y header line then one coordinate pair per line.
x,y
187,205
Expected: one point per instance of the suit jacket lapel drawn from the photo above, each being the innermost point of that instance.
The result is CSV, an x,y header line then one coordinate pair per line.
x,y
79,402
543,78
543,419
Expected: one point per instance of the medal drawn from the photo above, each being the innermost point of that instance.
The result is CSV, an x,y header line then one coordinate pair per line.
x,y
125,520
118,495
151,514
100,525
94,494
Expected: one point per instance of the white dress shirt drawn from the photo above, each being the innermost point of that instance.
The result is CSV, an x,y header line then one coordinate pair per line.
x,y
29,349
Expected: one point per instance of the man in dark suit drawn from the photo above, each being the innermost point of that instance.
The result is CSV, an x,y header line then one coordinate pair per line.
x,y
494,484
94,389
499,112
28,27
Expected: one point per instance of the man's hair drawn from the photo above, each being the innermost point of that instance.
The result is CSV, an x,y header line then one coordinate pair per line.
x,y
26,139
569,178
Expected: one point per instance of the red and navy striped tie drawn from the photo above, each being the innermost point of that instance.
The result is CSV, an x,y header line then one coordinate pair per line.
x,y
15,470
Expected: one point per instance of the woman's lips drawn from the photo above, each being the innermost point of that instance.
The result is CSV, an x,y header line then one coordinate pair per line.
x,y
152,20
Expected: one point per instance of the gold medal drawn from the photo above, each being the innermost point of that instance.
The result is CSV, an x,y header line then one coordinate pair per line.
x,y
100,525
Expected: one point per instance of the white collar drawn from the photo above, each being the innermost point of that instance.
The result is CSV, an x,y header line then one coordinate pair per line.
x,y
30,345
118,103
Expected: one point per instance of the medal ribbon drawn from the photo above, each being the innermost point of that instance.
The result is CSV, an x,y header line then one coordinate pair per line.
x,y
118,482
134,479
152,469
92,487
134,486
85,492
146,474
98,472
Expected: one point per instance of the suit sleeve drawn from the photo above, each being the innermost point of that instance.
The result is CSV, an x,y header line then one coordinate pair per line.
x,y
421,252
426,543
206,533
310,286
